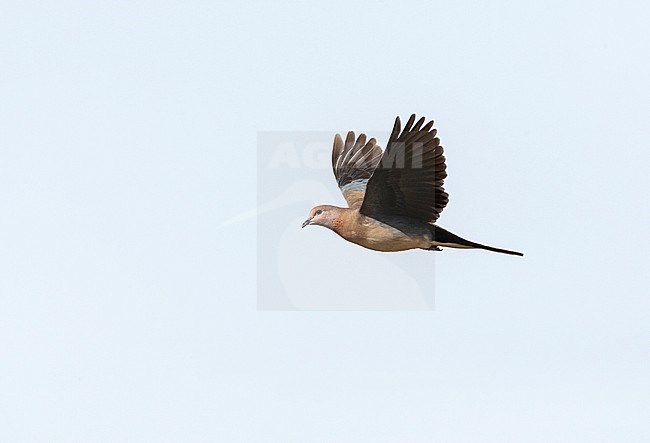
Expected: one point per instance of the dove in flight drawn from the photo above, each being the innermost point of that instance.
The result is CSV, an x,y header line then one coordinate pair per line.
x,y
393,198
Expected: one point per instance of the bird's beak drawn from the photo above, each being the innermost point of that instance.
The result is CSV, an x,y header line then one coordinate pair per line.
x,y
306,222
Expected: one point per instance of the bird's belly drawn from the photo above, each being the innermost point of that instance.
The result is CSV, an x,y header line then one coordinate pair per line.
x,y
382,237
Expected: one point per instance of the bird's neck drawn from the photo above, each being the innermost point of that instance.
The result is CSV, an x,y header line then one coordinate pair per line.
x,y
342,217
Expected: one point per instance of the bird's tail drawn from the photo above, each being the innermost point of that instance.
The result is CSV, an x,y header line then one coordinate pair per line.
x,y
444,238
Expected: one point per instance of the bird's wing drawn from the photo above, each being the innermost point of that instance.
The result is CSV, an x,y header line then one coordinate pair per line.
x,y
353,163
409,178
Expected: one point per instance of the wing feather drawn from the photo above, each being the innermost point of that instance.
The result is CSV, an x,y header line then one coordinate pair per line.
x,y
353,162
409,179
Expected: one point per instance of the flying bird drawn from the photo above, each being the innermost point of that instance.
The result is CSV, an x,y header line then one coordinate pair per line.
x,y
393,198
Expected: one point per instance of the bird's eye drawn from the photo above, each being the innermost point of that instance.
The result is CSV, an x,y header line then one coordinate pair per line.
x,y
319,212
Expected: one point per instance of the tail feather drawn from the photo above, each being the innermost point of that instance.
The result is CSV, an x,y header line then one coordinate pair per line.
x,y
446,238
493,249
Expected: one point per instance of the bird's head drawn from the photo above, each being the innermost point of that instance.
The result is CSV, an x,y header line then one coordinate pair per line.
x,y
322,215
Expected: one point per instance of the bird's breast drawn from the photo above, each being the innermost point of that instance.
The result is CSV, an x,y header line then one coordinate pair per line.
x,y
379,236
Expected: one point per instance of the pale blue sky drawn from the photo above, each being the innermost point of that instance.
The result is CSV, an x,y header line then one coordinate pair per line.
x,y
128,135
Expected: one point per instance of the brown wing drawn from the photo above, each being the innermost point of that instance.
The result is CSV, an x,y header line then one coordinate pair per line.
x,y
353,163
409,178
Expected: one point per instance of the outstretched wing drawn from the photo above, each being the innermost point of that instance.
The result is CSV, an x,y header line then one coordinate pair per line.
x,y
353,163
409,178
